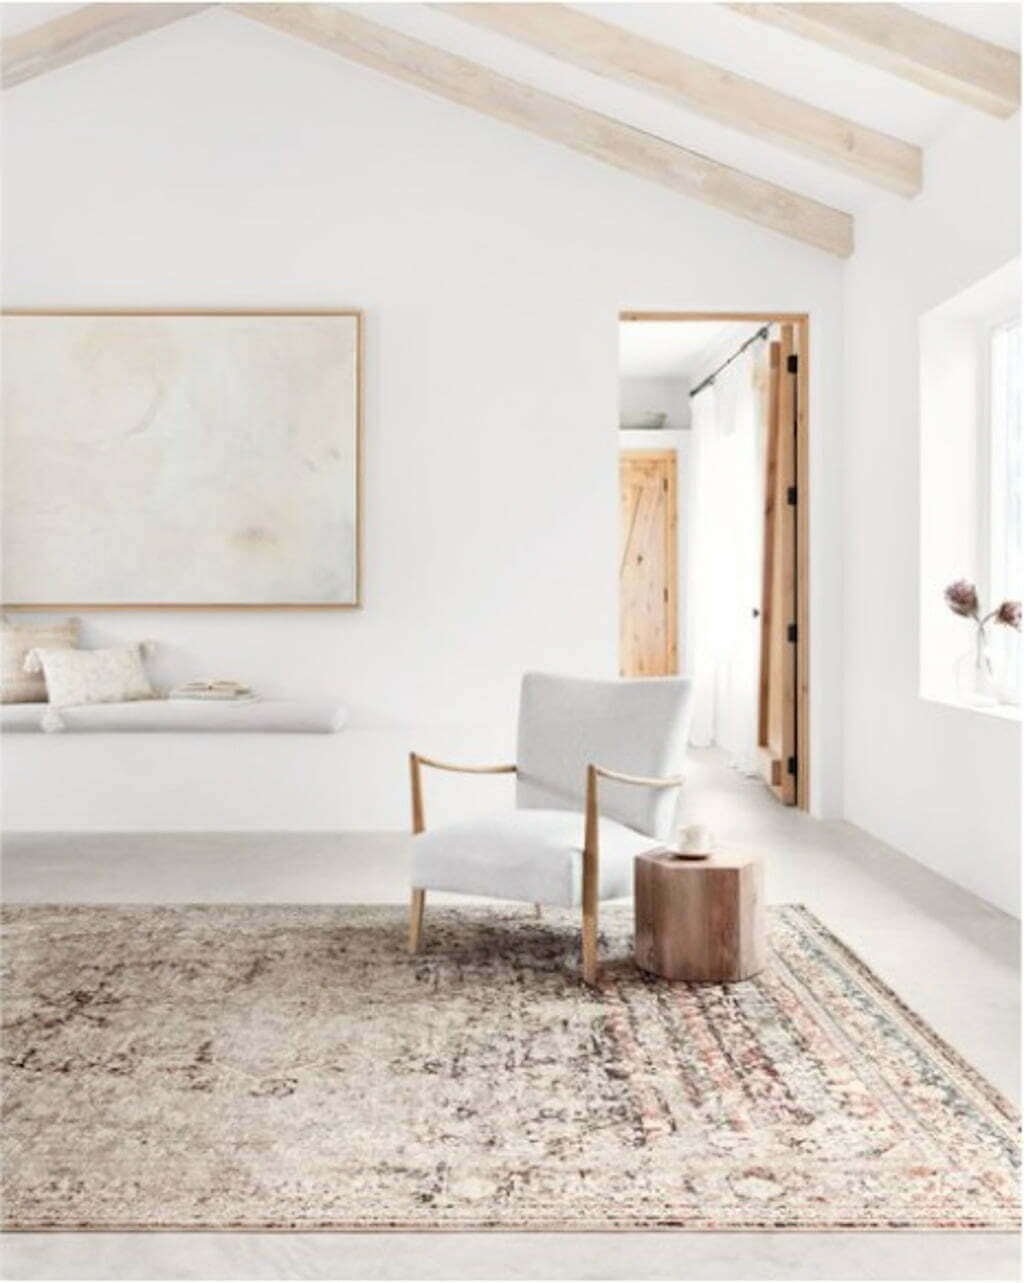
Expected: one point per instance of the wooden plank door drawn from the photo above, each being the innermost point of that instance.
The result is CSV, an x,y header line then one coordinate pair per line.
x,y
647,565
777,711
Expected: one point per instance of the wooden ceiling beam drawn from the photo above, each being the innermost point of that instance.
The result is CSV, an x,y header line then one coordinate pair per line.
x,y
601,137
79,34
921,50
713,91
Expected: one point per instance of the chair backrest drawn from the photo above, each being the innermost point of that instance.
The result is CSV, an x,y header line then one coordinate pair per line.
x,y
635,725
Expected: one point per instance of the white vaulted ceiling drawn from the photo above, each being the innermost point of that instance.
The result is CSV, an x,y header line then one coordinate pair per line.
x,y
716,33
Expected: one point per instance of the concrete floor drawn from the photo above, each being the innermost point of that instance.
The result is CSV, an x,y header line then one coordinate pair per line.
x,y
949,955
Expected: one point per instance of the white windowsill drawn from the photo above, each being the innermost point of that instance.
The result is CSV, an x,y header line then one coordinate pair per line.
x,y
1003,712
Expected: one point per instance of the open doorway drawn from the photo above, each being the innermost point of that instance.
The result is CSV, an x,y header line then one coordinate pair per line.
x,y
713,570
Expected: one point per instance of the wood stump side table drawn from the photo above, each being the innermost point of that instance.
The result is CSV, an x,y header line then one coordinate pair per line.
x,y
699,919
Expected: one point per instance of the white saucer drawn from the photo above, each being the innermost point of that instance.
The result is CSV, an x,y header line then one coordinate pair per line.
x,y
688,855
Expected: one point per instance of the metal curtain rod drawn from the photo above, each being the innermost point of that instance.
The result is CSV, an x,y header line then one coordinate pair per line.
x,y
762,333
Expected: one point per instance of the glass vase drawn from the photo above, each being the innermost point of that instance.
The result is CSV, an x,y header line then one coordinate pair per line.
x,y
976,680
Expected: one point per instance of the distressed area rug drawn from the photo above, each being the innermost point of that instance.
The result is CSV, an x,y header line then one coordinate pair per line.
x,y
263,1067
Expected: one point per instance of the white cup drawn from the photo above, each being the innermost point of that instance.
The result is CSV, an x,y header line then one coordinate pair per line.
x,y
695,839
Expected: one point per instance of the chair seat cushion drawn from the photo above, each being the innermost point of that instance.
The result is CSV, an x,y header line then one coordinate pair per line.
x,y
534,855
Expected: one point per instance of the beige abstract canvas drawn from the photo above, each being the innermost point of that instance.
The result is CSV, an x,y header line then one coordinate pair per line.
x,y
200,459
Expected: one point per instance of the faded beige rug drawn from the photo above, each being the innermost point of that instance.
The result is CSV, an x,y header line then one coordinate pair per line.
x,y
262,1067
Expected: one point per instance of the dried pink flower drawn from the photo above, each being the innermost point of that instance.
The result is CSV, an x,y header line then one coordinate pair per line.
x,y
962,599
1009,613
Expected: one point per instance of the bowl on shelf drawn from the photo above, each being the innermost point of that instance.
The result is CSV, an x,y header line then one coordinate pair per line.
x,y
646,420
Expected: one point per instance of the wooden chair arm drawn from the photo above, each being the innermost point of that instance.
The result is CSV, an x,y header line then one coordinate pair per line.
x,y
504,769
595,773
416,761
668,782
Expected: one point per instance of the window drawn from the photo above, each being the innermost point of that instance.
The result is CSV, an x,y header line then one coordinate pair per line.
x,y
1006,465
971,483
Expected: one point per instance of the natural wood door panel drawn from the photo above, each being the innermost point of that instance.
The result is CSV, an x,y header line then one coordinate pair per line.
x,y
771,473
647,567
777,717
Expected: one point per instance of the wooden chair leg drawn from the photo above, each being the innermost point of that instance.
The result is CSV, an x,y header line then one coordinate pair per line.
x,y
590,946
416,918
590,881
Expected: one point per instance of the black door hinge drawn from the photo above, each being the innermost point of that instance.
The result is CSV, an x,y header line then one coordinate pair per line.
x,y
792,363
791,765
791,633
791,496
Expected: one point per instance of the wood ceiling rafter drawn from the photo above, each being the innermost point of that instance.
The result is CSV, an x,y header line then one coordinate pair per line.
x,y
81,33
601,137
714,91
898,40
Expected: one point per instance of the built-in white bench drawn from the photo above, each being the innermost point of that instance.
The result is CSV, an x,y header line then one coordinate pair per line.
x,y
180,777
279,716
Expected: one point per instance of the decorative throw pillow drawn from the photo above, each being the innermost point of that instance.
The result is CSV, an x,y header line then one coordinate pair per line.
x,y
16,640
92,676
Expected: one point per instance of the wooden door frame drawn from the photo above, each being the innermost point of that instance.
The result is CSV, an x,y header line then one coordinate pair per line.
x,y
670,456
801,323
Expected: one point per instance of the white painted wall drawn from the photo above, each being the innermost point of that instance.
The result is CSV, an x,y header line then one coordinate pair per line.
x,y
941,783
217,164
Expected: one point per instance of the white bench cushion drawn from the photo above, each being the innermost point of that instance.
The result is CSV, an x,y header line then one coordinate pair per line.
x,y
268,715
532,855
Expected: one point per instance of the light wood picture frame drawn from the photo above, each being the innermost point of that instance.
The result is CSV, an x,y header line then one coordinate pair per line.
x,y
183,459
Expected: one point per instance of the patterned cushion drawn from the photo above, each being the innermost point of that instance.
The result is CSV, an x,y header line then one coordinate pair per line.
x,y
16,640
92,676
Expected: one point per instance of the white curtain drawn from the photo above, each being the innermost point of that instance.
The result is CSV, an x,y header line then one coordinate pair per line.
x,y
722,581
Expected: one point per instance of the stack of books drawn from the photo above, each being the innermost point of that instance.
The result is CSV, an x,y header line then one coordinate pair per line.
x,y
224,690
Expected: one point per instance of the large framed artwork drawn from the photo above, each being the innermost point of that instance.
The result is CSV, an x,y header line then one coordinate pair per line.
x,y
199,459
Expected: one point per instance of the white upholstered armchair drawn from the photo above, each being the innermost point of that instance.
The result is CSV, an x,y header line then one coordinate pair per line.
x,y
598,772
